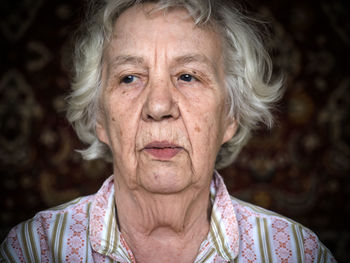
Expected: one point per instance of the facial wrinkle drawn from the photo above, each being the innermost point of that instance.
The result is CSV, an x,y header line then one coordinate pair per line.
x,y
166,130
190,151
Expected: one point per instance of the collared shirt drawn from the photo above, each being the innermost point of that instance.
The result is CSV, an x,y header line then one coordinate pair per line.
x,y
86,230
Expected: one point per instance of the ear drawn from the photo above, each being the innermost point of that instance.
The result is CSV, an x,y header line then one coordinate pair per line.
x,y
101,131
230,131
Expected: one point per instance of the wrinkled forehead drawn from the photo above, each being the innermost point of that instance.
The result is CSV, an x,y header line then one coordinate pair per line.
x,y
141,26
148,19
140,15
151,10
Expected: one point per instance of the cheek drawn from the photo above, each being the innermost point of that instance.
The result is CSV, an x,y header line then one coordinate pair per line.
x,y
204,142
121,127
204,128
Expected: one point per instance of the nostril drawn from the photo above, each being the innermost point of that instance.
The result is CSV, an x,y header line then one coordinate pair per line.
x,y
159,108
150,117
167,116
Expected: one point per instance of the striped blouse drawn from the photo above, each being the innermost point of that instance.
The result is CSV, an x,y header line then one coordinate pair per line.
x,y
86,230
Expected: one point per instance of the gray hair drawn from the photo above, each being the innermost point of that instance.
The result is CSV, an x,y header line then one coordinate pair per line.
x,y
248,70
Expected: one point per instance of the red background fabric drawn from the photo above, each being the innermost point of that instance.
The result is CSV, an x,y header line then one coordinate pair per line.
x,y
299,169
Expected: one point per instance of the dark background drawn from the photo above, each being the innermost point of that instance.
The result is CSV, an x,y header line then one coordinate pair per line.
x,y
299,169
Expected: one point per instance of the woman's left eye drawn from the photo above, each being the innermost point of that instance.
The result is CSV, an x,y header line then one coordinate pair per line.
x,y
187,77
128,79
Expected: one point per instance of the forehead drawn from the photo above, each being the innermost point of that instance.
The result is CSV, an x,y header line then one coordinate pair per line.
x,y
140,30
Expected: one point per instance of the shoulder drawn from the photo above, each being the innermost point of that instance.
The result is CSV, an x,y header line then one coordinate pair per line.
x,y
51,221
274,236
38,238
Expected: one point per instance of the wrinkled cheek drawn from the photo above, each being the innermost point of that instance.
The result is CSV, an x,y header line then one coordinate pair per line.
x,y
203,148
124,159
121,138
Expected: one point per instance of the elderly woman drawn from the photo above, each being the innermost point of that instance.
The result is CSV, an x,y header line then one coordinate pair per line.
x,y
168,91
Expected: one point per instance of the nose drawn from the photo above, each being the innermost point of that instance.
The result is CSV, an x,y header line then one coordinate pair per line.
x,y
160,103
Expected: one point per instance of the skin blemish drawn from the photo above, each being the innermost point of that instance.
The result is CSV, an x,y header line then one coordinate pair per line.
x,y
124,92
197,129
113,119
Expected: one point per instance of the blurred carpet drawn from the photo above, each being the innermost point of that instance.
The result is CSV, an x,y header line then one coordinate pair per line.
x,y
300,168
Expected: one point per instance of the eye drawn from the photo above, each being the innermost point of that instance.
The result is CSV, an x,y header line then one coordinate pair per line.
x,y
128,79
187,77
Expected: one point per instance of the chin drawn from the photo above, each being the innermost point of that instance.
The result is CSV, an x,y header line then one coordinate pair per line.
x,y
165,182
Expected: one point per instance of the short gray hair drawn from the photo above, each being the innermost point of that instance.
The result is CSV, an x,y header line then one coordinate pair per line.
x,y
248,70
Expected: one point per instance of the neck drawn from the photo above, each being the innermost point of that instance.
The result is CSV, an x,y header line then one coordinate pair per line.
x,y
165,221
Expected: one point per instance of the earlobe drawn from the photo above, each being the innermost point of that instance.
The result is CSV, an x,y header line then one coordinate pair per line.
x,y
230,131
101,133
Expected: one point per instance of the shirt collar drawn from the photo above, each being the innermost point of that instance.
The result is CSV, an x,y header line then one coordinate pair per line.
x,y
106,239
224,232
104,233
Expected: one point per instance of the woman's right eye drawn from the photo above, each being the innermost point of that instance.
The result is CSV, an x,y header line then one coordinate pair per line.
x,y
186,78
128,79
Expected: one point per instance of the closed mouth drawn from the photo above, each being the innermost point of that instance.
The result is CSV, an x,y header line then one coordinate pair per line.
x,y
163,150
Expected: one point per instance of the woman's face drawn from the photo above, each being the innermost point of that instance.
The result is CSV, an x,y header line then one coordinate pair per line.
x,y
163,111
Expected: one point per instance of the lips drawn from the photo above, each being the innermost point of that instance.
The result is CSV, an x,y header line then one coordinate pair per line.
x,y
163,150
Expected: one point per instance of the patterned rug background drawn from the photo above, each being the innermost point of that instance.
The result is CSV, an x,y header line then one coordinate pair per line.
x,y
300,168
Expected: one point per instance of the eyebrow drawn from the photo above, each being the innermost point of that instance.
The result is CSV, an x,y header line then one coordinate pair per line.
x,y
126,59
180,60
189,58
